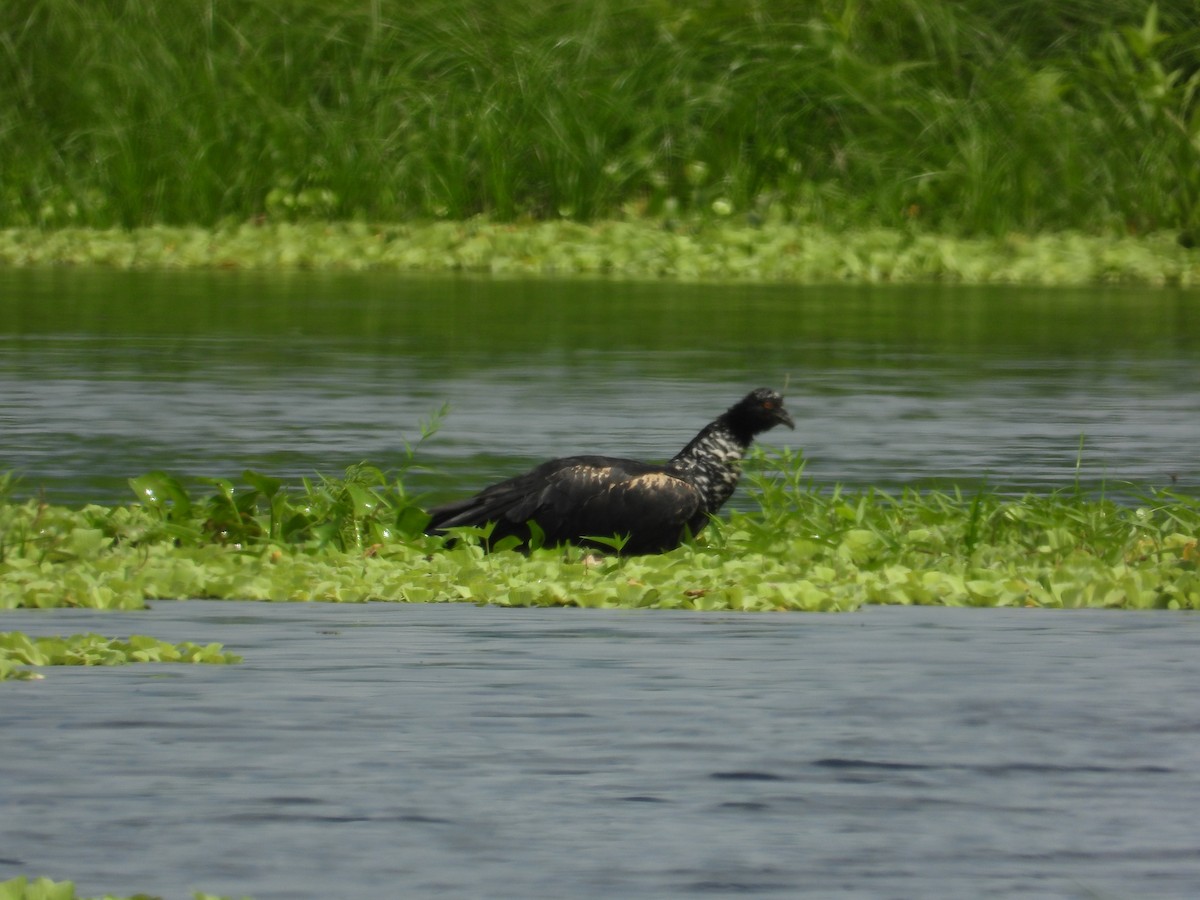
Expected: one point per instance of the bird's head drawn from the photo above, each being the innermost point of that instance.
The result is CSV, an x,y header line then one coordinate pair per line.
x,y
759,411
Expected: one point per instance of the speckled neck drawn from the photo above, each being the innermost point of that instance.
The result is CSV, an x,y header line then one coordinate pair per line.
x,y
711,462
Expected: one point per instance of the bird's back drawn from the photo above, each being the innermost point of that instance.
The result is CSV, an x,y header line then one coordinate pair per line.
x,y
578,497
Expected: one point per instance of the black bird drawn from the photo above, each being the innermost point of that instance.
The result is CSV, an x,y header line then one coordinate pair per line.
x,y
657,506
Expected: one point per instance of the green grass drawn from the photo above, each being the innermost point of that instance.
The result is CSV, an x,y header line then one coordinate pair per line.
x,y
359,538
974,117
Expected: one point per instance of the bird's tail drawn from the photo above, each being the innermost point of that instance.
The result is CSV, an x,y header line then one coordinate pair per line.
x,y
503,504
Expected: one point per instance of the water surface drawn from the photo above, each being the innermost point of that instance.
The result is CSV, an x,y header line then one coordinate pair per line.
x,y
458,751
464,752
106,375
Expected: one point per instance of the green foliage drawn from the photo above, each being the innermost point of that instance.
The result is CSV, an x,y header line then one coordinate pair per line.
x,y
974,116
22,888
350,513
17,649
802,548
360,510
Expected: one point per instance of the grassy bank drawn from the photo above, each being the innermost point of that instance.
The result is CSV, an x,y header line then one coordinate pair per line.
x,y
359,539
975,117
717,249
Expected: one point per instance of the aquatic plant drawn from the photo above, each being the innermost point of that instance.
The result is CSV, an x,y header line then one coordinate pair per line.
x,y
17,649
799,548
22,888
692,249
359,510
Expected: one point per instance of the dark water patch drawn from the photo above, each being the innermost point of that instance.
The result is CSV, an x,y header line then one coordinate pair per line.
x,y
735,887
254,818
988,769
745,806
288,816
138,724
530,714
291,801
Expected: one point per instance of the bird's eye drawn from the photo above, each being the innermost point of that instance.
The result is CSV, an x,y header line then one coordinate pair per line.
x,y
768,404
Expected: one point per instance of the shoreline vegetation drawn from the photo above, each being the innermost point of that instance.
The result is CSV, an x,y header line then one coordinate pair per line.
x,y
1020,141
696,250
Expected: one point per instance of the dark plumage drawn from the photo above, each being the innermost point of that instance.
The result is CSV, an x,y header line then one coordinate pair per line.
x,y
657,506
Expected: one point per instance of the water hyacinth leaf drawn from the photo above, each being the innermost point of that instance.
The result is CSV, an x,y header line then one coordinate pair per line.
x,y
162,493
267,485
97,650
537,536
470,534
512,542
293,527
38,889
87,541
21,888
326,533
19,648
364,500
411,521
230,519
224,488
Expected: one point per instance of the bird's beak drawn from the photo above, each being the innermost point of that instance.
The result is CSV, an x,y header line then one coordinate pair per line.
x,y
783,417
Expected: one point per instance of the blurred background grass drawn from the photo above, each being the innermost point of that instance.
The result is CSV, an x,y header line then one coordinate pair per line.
x,y
967,117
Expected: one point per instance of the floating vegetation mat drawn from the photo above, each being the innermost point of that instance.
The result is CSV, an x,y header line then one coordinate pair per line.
x,y
18,650
359,538
702,249
23,888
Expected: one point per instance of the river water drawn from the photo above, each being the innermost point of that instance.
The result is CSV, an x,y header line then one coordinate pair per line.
x,y
457,751
105,376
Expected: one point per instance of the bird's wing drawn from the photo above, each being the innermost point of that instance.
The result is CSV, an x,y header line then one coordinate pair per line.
x,y
615,498
583,496
512,500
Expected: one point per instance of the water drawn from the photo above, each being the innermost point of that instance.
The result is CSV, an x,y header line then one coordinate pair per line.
x,y
108,375
467,752
458,751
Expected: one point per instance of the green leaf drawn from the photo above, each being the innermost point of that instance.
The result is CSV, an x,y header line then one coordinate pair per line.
x,y
162,493
267,485
511,542
537,536
615,542
411,521
45,889
364,500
